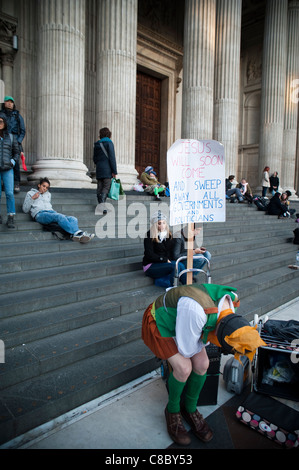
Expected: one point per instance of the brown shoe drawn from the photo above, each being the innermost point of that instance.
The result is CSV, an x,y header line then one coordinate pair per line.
x,y
198,425
176,429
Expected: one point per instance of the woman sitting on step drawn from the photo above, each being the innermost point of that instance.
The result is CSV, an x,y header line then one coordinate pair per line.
x,y
38,204
158,252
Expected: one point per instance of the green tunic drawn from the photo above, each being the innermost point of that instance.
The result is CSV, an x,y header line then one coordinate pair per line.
x,y
207,295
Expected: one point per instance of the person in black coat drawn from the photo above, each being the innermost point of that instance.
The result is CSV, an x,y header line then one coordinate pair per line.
x,y
9,156
15,126
158,252
274,183
276,207
104,159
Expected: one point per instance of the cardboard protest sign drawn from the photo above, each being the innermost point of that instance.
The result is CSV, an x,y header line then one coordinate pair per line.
x,y
196,176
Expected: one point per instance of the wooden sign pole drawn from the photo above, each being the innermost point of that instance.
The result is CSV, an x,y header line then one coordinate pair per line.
x,y
190,245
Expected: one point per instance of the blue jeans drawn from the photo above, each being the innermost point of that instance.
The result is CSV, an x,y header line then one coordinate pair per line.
x,y
158,270
235,191
68,223
8,180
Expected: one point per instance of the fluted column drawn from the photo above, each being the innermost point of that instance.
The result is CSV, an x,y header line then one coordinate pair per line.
x,y
198,69
7,72
60,104
227,71
116,81
291,105
273,85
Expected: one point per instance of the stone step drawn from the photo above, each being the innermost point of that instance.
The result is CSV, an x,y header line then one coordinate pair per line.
x,y
93,254
35,401
75,269
52,352
35,325
33,232
67,275
46,297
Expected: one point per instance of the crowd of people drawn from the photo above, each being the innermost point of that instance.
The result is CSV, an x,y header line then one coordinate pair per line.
x,y
276,203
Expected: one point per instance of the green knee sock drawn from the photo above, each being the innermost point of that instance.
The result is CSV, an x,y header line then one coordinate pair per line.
x,y
175,389
194,386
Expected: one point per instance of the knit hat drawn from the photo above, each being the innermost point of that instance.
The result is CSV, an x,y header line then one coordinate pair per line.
x,y
157,216
8,98
150,169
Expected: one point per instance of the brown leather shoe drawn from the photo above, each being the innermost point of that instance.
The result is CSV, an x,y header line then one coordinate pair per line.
x,y
198,425
176,429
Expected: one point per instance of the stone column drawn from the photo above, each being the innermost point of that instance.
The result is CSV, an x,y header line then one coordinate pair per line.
x,y
198,69
7,72
60,103
273,86
227,71
287,179
116,81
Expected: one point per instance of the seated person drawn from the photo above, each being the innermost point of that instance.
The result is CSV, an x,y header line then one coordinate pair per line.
x,y
245,190
38,203
276,207
180,249
230,190
285,200
151,183
158,246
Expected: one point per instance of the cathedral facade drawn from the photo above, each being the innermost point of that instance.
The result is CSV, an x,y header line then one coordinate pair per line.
x,y
153,72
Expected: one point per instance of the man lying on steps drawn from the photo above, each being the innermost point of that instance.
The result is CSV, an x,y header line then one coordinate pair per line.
x,y
38,204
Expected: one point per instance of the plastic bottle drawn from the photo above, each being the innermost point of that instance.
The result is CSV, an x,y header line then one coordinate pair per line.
x,y
297,258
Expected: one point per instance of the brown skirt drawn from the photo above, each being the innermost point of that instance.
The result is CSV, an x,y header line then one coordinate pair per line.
x,y
163,348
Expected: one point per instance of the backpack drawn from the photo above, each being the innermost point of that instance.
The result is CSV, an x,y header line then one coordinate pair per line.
x,y
261,203
56,231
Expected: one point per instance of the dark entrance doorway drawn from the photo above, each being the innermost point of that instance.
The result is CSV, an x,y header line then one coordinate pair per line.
x,y
148,122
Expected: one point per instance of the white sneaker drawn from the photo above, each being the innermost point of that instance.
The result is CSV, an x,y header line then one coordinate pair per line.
x,y
77,236
86,237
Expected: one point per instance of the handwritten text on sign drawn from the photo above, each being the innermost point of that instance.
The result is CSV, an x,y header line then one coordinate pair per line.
x,y
196,174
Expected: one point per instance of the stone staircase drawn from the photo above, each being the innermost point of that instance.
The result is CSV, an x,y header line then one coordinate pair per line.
x,y
70,314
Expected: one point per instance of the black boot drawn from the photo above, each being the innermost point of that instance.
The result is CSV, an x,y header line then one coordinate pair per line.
x,y
10,221
0,219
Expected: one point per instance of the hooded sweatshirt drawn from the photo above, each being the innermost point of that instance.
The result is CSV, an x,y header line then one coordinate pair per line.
x,y
34,206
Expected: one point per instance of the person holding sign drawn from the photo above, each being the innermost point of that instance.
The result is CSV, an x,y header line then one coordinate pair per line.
x,y
158,247
177,327
180,249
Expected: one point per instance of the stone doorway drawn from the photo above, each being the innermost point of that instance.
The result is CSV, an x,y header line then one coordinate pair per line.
x,y
148,122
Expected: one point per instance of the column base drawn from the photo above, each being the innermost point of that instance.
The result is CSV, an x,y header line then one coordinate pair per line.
x,y
127,175
62,173
294,196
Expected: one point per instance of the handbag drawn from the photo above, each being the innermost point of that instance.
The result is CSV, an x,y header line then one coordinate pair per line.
x,y
114,190
121,191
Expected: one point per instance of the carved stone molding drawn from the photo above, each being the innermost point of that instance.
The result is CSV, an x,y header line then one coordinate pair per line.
x,y
8,28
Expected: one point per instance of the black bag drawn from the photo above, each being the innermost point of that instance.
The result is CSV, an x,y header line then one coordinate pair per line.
x,y
261,203
296,236
56,231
